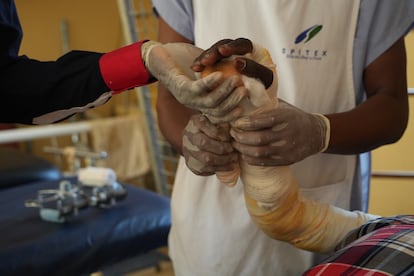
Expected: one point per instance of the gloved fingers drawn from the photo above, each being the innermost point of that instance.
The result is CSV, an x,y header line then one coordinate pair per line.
x,y
170,63
226,106
286,134
211,94
222,49
207,147
201,125
203,162
260,137
197,167
222,98
232,115
193,93
256,121
275,154
230,99
161,59
209,83
272,146
207,163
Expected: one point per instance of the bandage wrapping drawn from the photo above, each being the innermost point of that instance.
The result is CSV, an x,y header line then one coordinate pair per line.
x,y
277,207
272,196
259,99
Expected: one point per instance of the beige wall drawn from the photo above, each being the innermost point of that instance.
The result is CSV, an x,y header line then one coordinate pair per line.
x,y
92,25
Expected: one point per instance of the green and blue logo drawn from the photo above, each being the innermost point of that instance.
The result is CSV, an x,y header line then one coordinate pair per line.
x,y
308,34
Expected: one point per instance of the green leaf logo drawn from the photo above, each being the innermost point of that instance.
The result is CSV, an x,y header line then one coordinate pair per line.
x,y
308,34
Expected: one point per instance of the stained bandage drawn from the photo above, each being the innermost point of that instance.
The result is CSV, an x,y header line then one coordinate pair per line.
x,y
272,196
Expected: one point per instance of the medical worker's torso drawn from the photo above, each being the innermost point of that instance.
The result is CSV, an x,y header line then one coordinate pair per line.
x,y
311,44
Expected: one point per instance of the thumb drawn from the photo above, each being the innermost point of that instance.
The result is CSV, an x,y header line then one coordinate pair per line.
x,y
255,70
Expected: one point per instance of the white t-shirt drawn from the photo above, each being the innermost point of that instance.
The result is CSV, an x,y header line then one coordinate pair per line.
x,y
380,24
201,236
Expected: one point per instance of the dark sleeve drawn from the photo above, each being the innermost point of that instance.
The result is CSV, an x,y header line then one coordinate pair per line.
x,y
30,88
41,92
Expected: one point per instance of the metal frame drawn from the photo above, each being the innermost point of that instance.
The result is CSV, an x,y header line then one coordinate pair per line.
x,y
129,14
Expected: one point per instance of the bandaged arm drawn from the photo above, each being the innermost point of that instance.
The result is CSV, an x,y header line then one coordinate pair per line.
x,y
274,201
278,208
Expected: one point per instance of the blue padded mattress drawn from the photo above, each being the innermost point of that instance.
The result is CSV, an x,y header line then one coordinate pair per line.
x,y
88,241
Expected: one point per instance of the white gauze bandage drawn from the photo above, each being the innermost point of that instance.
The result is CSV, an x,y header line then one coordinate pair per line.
x,y
272,195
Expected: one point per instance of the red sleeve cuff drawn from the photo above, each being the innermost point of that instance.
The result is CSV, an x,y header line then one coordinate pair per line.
x,y
124,68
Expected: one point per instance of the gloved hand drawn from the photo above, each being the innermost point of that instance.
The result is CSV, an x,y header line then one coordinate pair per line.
x,y
207,147
280,136
170,63
246,59
260,83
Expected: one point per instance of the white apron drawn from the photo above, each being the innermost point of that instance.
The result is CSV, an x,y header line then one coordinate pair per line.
x,y
311,42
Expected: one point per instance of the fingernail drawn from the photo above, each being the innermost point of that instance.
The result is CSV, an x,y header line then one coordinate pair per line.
x,y
240,64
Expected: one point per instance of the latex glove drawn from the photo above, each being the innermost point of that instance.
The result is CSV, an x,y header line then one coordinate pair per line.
x,y
170,64
260,83
280,136
239,57
206,147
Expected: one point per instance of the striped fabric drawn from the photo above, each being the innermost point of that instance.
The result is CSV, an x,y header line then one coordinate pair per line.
x,y
381,247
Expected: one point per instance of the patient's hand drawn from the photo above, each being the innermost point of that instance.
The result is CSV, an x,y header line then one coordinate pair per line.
x,y
222,49
240,50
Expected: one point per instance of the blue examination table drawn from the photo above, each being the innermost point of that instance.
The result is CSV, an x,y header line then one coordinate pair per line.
x,y
93,239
